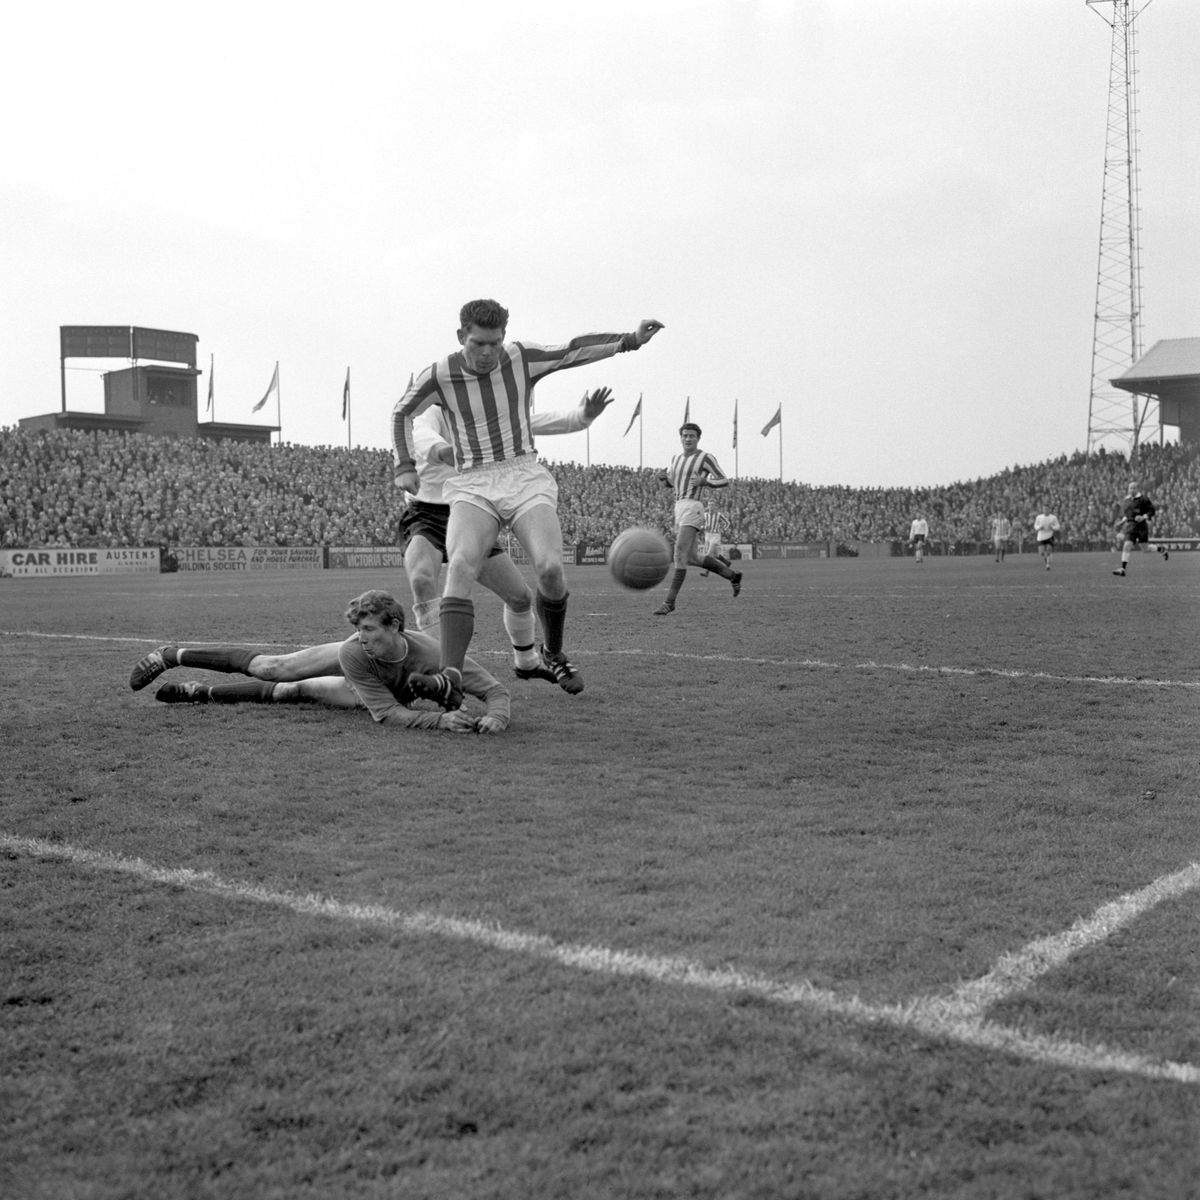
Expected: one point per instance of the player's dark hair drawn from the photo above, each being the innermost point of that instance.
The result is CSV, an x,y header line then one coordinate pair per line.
x,y
376,603
690,425
487,314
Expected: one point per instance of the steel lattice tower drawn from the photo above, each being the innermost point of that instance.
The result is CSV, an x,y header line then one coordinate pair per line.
x,y
1115,417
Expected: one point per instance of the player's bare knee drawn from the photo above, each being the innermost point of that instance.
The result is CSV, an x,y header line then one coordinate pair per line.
x,y
552,582
269,668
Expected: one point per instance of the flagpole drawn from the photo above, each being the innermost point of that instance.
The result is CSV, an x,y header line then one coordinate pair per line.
x,y
781,444
278,406
735,440
349,415
641,419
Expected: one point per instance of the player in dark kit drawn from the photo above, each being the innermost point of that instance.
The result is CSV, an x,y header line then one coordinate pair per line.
x,y
1137,512
371,669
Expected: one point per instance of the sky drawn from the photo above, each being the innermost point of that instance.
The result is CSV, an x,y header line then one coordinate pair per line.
x,y
881,219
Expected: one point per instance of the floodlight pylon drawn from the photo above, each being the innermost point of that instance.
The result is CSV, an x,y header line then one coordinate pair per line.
x,y
1116,418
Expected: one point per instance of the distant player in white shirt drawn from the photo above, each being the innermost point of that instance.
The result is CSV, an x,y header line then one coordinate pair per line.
x,y
918,535
1046,528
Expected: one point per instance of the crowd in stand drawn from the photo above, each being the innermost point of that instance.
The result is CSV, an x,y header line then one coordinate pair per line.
x,y
83,488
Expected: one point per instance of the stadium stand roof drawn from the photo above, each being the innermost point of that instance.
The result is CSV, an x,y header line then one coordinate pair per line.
x,y
1173,361
1169,371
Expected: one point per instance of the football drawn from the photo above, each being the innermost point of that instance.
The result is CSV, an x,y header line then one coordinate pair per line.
x,y
639,558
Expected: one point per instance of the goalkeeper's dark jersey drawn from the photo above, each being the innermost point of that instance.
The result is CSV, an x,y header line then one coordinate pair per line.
x,y
1136,513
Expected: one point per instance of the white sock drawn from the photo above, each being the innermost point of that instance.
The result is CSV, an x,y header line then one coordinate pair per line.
x,y
522,631
427,613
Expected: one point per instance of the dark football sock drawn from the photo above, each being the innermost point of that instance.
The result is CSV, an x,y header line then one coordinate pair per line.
x,y
457,627
717,567
231,660
553,616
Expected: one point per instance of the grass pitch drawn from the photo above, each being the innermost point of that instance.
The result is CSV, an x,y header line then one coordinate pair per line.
x,y
879,881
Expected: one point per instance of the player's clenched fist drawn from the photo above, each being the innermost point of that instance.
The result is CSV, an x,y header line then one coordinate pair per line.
x,y
647,329
407,480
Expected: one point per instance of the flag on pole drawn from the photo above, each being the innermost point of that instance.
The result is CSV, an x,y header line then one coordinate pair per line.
x,y
735,424
210,384
775,420
273,386
687,410
346,396
637,412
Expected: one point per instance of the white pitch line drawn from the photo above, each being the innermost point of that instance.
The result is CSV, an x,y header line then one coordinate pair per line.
x,y
733,659
136,641
930,1016
1014,973
909,668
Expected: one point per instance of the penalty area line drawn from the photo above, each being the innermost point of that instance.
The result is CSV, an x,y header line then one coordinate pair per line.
x,y
1015,972
941,1019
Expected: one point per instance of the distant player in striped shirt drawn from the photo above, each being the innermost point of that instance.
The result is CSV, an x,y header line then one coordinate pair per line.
x,y
486,390
1001,532
716,529
689,474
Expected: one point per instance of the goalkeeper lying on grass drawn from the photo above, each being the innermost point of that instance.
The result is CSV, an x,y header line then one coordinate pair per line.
x,y
380,667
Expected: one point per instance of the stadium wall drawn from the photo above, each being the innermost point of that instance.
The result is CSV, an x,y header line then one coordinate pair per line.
x,y
61,560
44,561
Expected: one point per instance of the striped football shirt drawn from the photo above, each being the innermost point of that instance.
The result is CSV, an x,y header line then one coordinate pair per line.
x,y
716,521
490,415
685,470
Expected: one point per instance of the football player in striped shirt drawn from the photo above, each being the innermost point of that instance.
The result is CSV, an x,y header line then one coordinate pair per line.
x,y
1001,532
423,532
716,530
486,390
689,474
